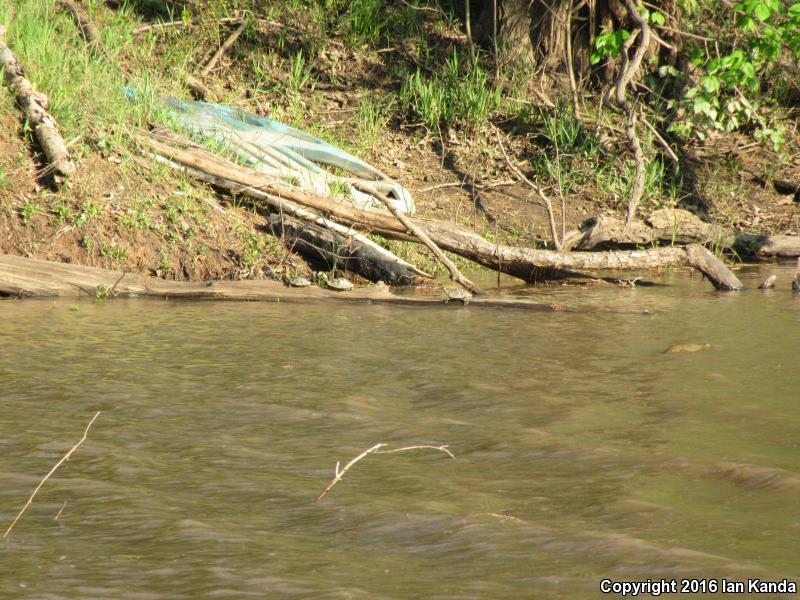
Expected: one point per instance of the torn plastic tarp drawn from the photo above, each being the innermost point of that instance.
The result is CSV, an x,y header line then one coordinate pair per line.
x,y
287,153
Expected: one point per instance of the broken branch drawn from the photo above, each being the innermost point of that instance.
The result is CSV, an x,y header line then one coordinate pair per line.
x,y
376,449
46,477
547,203
455,274
224,48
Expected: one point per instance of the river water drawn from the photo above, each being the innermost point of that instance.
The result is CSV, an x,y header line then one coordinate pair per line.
x,y
583,452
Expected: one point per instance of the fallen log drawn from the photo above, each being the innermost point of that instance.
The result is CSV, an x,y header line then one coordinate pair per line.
x,y
677,226
35,104
294,209
525,263
30,278
420,234
340,252
88,29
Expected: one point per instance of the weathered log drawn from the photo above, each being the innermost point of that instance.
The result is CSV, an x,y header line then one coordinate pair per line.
x,y
27,278
677,226
301,212
34,104
339,251
88,29
420,234
525,263
712,267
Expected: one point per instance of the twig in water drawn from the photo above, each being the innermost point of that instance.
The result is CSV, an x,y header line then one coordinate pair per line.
x,y
374,450
46,477
60,510
439,448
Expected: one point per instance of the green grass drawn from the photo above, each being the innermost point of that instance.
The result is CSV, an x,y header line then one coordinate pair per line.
x,y
85,87
371,119
460,95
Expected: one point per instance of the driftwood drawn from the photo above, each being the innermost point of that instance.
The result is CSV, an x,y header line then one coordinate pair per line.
x,y
35,104
420,234
299,211
525,263
341,252
676,226
30,278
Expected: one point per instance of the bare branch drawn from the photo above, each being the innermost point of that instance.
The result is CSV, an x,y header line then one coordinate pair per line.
x,y
46,477
455,274
548,204
224,48
376,449
627,69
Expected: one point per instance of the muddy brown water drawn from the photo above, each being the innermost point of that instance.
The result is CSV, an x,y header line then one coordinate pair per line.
x,y
583,452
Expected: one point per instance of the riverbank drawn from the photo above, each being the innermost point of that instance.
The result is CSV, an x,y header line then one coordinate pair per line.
x,y
124,211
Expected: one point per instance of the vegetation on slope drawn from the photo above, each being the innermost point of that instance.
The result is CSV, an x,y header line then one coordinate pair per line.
x,y
402,85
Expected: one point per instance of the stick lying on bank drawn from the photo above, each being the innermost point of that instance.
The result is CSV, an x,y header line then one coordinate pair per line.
x,y
34,104
296,210
46,477
525,263
418,233
376,449
200,89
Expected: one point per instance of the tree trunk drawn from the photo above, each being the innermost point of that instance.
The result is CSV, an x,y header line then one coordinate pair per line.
x,y
535,31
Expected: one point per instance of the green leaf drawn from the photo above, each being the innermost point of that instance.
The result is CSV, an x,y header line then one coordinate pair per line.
x,y
658,19
762,12
710,84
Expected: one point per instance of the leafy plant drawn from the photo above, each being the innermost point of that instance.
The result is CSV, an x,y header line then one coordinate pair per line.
x,y
29,210
727,95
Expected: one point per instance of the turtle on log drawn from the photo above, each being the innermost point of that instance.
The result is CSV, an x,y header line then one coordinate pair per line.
x,y
457,294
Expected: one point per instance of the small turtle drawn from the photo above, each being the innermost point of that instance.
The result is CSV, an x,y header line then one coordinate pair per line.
x,y
340,284
298,282
681,347
796,280
768,283
458,294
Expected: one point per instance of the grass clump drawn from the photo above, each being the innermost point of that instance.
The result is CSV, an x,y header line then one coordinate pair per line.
x,y
461,95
